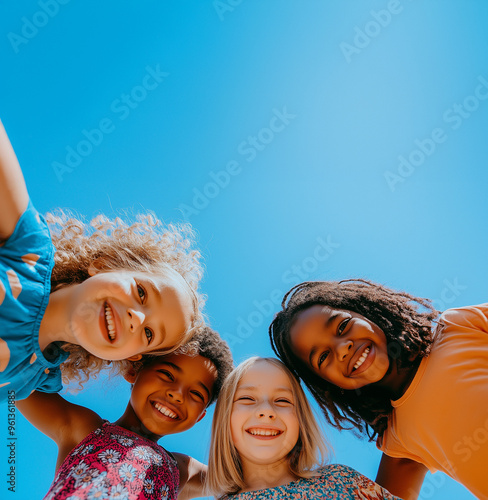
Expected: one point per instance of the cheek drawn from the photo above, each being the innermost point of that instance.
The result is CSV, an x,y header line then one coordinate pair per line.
x,y
196,408
382,364
236,423
289,415
329,375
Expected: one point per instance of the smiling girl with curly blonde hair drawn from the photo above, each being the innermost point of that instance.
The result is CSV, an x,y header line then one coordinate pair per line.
x,y
86,294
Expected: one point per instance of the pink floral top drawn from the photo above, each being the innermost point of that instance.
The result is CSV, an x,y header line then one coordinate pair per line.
x,y
112,462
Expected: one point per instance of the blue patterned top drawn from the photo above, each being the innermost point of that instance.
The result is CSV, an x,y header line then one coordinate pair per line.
x,y
333,482
26,263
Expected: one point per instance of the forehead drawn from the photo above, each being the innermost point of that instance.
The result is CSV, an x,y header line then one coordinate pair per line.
x,y
192,369
317,315
165,280
265,376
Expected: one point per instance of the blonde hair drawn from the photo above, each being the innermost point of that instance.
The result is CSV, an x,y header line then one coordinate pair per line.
x,y
146,245
225,474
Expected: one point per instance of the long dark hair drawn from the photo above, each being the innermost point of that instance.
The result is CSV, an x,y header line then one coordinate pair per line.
x,y
407,328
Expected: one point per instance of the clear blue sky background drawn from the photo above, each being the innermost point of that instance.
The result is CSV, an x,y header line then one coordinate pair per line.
x,y
318,192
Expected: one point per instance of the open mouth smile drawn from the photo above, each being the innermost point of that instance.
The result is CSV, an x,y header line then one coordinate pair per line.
x,y
258,431
109,322
361,359
164,410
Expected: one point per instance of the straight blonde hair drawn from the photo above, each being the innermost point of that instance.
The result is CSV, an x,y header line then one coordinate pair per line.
x,y
225,474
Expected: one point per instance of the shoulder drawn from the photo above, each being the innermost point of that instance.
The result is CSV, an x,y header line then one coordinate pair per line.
x,y
469,317
27,259
31,226
192,476
336,470
342,480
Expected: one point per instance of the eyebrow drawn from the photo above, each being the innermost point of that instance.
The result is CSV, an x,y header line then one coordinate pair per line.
x,y
168,363
253,388
157,293
332,318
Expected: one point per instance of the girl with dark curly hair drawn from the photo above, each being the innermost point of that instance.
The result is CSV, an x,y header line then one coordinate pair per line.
x,y
373,361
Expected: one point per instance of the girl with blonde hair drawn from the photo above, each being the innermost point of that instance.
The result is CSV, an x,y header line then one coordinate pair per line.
x,y
266,442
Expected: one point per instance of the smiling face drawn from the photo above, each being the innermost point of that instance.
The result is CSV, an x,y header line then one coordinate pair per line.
x,y
263,422
118,314
342,347
169,395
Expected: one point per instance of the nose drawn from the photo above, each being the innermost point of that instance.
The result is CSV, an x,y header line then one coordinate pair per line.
x,y
136,319
342,349
266,411
175,395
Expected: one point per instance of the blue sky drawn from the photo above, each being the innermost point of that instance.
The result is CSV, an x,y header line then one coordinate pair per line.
x,y
303,140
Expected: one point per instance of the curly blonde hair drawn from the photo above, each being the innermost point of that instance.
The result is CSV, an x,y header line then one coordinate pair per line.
x,y
145,245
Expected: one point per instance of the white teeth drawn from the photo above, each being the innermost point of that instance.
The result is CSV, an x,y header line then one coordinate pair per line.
x,y
109,320
360,361
165,411
263,432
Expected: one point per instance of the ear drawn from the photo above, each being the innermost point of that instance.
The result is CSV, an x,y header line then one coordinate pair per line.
x,y
130,375
136,357
95,267
201,416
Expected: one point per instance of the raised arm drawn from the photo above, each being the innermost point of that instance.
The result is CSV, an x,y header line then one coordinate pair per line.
x,y
192,477
401,476
13,193
65,423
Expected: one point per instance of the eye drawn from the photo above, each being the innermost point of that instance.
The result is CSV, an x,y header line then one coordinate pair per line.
x,y
199,395
141,291
167,374
248,399
284,401
342,326
322,358
149,335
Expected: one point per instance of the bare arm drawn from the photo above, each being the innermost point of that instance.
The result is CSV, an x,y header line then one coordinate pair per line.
x,y
13,193
401,476
65,423
192,477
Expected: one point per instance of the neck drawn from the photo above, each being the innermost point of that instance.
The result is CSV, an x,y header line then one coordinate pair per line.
x,y
260,477
130,421
398,380
55,324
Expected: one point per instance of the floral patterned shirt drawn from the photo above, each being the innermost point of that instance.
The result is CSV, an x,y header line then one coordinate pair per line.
x,y
334,482
114,463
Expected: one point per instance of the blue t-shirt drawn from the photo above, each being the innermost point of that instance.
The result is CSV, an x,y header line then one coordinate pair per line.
x,y
26,263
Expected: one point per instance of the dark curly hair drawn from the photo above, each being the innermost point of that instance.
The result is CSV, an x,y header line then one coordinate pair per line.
x,y
408,332
207,343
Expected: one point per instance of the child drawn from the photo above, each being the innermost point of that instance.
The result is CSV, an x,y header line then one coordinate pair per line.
x,y
170,394
371,360
106,292
266,443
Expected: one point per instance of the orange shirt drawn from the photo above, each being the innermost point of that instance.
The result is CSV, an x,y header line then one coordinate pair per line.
x,y
442,419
